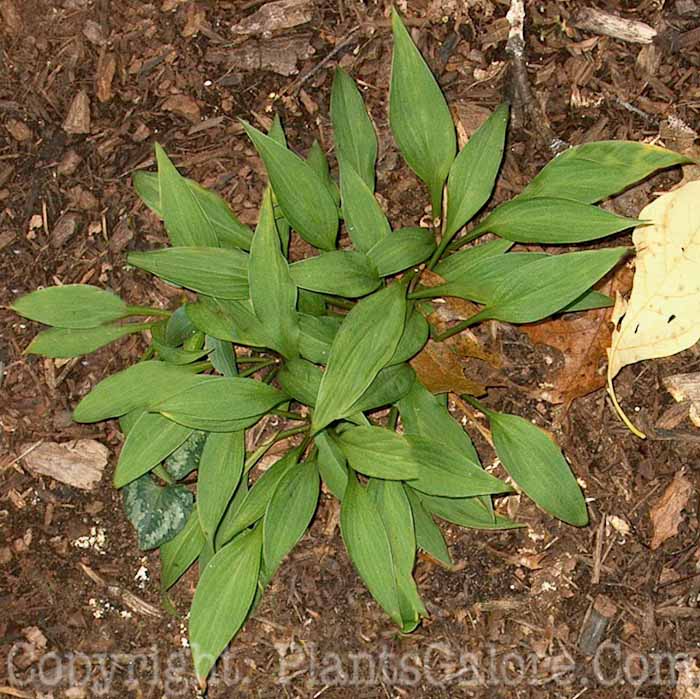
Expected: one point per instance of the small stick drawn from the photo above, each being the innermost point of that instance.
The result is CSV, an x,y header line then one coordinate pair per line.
x,y
598,551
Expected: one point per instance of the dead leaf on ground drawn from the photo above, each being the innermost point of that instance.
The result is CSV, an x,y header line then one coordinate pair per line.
x,y
662,316
273,16
79,463
666,514
440,370
583,340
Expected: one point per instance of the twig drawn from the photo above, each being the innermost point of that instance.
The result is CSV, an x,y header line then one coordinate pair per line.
x,y
521,93
598,551
128,598
16,460
294,86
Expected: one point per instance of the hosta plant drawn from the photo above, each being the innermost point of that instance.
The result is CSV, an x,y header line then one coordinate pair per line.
x,y
326,343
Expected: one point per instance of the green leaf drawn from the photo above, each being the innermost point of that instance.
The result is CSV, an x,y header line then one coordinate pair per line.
x,y
222,356
289,513
220,470
481,280
132,388
548,285
180,552
423,415
220,404
185,458
233,507
318,162
223,598
448,472
414,337
418,114
62,343
175,355
178,328
537,465
316,336
378,452
365,221
460,264
591,299
157,513
151,439
233,321
341,272
404,248
71,306
230,232
466,512
311,303
390,385
353,133
254,504
428,534
301,380
549,220
301,194
212,271
332,463
273,292
474,171
183,214
368,546
594,171
395,511
363,346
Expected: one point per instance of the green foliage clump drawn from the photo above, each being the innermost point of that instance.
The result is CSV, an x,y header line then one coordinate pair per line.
x,y
334,333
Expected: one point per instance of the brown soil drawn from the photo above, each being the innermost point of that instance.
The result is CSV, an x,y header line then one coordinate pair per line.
x,y
68,213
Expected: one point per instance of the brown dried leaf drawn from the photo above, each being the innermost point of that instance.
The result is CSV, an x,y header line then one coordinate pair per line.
x,y
583,340
666,514
440,370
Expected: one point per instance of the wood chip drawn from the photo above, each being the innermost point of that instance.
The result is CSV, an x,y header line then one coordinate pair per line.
x,y
64,230
78,118
79,463
667,513
273,16
11,18
18,130
599,22
184,106
106,67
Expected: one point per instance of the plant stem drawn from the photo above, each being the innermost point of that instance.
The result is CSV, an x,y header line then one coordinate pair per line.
x,y
289,415
245,359
263,448
337,302
456,329
257,367
393,418
160,471
455,245
147,311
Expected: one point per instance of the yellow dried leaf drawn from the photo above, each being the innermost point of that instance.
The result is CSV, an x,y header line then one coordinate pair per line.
x,y
662,316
